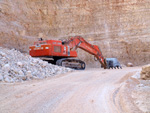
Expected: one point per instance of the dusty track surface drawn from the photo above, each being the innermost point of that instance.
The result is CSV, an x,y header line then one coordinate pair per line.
x,y
89,91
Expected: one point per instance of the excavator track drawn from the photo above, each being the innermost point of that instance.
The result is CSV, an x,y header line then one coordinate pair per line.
x,y
71,63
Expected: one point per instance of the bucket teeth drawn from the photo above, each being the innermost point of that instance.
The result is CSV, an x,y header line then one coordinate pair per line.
x,y
114,67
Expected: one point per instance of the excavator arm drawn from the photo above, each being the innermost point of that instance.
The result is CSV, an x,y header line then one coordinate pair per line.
x,y
79,42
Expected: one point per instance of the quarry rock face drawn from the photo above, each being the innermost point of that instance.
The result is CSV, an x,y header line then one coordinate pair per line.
x,y
145,73
16,67
119,27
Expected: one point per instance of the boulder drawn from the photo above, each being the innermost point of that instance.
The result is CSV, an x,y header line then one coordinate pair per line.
x,y
6,67
20,64
22,77
20,72
44,64
29,74
8,79
129,64
2,54
145,73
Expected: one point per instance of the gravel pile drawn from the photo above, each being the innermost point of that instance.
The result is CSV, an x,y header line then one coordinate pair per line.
x,y
17,67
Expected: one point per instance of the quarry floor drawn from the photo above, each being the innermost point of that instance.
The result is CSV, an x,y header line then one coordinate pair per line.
x,y
88,91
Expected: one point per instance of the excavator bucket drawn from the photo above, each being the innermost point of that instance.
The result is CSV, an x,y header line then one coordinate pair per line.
x,y
113,63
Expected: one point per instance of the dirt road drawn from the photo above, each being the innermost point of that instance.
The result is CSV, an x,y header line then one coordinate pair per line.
x,y
89,91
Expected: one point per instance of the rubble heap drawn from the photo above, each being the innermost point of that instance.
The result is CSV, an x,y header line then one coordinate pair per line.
x,y
145,73
16,67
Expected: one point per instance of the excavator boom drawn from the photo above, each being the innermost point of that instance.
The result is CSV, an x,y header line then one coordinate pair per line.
x,y
79,42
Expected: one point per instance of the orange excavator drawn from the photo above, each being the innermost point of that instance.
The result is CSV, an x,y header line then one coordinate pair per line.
x,y
63,52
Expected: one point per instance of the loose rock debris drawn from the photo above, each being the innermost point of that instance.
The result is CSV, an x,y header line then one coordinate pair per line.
x,y
141,92
16,67
145,73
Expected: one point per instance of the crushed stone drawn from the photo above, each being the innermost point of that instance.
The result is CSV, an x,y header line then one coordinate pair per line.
x,y
16,67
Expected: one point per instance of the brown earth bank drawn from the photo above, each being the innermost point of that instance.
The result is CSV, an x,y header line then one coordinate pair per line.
x,y
119,27
89,91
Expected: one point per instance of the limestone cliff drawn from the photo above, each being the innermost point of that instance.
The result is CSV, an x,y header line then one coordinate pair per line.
x,y
120,27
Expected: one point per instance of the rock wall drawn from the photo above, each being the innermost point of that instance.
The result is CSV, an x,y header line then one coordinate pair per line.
x,y
120,27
